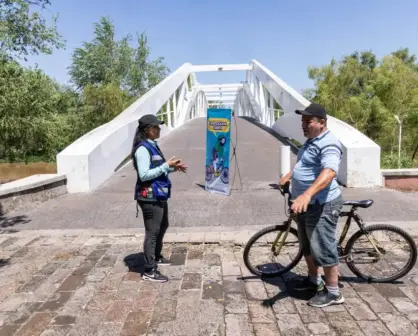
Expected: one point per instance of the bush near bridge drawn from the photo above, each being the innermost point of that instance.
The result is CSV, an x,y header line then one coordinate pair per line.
x,y
367,93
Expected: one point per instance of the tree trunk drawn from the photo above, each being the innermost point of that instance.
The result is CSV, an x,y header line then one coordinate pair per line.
x,y
415,152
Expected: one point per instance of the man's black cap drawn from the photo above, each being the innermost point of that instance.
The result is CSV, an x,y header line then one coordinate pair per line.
x,y
314,110
149,120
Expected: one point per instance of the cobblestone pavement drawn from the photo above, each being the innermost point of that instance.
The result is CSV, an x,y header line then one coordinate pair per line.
x,y
83,282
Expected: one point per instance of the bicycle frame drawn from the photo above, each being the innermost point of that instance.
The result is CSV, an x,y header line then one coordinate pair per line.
x,y
288,223
352,214
276,252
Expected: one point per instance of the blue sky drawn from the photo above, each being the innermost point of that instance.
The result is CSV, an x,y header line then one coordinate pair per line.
x,y
286,36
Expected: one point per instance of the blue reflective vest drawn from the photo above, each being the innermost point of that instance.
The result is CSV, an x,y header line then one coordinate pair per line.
x,y
157,189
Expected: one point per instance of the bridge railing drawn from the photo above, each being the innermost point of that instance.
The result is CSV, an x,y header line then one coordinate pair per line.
x,y
196,107
360,166
245,104
95,156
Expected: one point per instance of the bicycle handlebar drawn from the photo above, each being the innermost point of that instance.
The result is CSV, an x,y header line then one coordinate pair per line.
x,y
285,189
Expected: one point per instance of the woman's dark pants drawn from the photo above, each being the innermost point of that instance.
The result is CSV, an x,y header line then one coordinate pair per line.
x,y
156,223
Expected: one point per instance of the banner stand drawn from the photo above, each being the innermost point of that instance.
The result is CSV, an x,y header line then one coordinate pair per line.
x,y
218,142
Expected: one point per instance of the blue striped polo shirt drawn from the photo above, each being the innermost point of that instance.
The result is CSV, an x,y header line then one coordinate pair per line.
x,y
323,151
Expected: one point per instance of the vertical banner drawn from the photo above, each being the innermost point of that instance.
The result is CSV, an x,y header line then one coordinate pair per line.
x,y
218,135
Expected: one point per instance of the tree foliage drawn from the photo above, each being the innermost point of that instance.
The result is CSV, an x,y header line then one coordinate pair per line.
x,y
106,60
103,60
368,93
38,116
29,122
103,104
23,33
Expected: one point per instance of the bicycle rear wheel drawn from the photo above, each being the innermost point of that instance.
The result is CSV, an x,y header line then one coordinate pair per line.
x,y
261,246
366,254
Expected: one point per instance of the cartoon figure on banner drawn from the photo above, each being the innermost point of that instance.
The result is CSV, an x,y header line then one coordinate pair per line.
x,y
218,153
218,161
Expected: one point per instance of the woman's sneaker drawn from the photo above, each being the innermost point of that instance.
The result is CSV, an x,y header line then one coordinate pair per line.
x,y
154,276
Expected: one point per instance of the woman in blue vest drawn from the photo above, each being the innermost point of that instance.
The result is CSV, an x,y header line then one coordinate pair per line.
x,y
152,190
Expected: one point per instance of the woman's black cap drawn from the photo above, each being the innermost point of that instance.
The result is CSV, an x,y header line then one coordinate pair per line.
x,y
149,120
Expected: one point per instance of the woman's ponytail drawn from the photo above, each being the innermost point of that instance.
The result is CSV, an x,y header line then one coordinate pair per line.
x,y
139,136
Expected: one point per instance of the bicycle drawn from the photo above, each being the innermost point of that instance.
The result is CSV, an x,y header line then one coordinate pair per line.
x,y
346,253
221,171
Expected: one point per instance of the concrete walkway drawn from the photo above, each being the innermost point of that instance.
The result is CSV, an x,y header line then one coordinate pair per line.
x,y
87,282
252,202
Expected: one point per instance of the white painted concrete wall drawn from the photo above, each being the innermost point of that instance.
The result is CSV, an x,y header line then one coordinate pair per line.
x,y
360,166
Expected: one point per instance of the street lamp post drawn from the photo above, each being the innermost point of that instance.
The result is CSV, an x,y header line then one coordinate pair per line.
x,y
399,140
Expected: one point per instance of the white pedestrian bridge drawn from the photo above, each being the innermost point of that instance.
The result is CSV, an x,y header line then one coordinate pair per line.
x,y
180,98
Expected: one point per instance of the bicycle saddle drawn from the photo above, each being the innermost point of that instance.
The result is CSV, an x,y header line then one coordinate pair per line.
x,y
359,204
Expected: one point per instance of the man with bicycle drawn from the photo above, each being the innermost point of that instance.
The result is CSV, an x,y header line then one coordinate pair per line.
x,y
317,201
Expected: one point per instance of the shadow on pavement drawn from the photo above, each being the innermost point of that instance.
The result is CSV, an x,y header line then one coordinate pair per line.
x,y
4,262
285,286
9,221
201,186
269,130
357,280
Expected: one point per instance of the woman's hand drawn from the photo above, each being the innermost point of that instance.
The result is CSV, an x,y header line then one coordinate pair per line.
x,y
177,164
181,167
173,162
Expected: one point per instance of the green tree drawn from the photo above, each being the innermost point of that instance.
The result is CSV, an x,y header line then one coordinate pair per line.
x,y
69,99
106,60
38,116
396,85
29,122
24,32
102,61
367,93
344,88
145,74
102,104
406,58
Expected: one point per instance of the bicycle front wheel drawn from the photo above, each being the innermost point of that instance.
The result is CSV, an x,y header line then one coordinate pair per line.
x,y
272,251
385,254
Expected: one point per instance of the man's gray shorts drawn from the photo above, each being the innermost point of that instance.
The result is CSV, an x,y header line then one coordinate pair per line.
x,y
317,230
